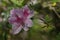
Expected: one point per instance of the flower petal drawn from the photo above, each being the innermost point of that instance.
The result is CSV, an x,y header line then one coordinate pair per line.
x,y
25,28
28,12
12,19
31,14
12,12
28,23
16,28
19,12
26,8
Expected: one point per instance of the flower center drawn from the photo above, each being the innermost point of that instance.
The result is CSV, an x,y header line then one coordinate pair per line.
x,y
19,20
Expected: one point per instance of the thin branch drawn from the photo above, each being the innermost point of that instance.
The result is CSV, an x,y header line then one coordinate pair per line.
x,y
56,13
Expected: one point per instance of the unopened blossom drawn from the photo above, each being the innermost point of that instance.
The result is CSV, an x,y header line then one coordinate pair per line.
x,y
20,19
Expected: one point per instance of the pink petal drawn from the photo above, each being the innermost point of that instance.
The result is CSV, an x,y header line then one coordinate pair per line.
x,y
16,28
26,28
19,12
26,8
27,12
28,23
12,12
12,19
31,14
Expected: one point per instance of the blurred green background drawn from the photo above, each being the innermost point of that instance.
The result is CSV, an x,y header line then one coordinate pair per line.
x,y
46,20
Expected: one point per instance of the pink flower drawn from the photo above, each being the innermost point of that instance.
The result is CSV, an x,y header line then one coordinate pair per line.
x,y
20,19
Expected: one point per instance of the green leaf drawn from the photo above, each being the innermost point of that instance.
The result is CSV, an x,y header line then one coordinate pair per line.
x,y
48,18
58,37
55,0
18,2
37,26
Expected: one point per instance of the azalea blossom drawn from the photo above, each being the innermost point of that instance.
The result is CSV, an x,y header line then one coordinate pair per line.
x,y
20,19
